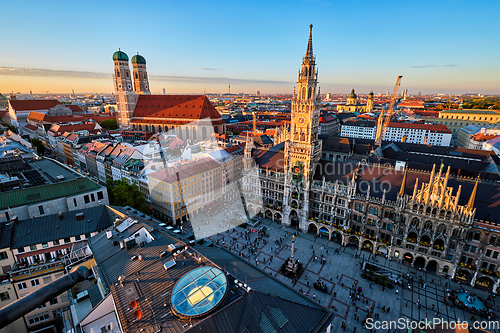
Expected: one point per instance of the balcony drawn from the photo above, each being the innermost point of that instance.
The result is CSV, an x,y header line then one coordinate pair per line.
x,y
23,271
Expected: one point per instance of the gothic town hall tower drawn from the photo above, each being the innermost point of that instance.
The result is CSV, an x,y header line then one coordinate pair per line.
x,y
302,147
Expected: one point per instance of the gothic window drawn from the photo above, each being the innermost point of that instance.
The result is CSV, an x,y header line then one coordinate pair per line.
x,y
414,222
305,71
117,73
441,229
477,235
310,93
428,210
428,225
456,232
304,91
373,210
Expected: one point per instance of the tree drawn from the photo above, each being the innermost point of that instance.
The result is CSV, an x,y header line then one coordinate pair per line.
x,y
110,124
40,148
121,193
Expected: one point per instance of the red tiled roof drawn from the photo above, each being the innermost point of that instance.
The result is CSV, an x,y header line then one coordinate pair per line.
x,y
33,104
36,116
234,150
326,119
434,128
175,106
70,128
74,108
483,137
31,127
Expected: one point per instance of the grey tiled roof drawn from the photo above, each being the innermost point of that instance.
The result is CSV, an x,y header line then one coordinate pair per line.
x,y
5,234
49,228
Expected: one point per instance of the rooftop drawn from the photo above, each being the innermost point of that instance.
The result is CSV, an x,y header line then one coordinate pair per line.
x,y
33,104
54,227
33,195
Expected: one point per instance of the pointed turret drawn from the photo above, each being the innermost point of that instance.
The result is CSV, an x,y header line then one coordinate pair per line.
x,y
403,184
470,204
309,52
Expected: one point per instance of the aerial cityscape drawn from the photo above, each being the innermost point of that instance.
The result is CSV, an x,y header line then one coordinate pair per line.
x,y
202,185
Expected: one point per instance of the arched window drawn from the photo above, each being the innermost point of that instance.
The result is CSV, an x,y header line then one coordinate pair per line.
x,y
304,92
140,127
310,93
305,71
493,239
428,225
204,133
194,134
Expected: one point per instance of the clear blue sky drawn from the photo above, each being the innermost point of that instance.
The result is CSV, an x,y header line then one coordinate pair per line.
x,y
438,46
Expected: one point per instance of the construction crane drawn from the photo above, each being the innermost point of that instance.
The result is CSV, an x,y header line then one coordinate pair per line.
x,y
254,123
381,123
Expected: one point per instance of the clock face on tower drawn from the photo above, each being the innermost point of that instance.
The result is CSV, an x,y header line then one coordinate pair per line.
x,y
301,121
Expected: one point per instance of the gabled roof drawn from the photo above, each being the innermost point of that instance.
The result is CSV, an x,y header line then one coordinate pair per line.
x,y
33,104
191,107
50,227
271,160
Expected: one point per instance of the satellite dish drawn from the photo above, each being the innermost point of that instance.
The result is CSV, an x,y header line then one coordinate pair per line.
x,y
133,305
137,314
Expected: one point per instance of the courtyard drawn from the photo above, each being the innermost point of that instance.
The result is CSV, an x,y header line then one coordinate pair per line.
x,y
340,272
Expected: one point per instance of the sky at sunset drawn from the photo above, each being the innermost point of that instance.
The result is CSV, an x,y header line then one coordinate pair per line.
x,y
192,46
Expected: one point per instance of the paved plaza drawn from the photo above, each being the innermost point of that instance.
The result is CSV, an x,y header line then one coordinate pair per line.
x,y
341,272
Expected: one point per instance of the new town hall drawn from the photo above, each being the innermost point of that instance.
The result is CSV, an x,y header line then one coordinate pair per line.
x,y
437,220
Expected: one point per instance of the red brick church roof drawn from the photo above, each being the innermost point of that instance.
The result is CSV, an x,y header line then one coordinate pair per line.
x,y
175,106
33,104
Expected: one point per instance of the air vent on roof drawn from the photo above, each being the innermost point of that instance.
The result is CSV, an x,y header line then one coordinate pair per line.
x,y
60,177
79,216
168,264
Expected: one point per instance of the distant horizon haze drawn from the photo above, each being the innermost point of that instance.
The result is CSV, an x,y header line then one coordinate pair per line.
x,y
443,47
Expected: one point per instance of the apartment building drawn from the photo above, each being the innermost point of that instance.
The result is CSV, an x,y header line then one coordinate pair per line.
x,y
43,257
436,135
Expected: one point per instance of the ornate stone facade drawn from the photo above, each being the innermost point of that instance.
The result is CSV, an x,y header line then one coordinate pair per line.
x,y
427,220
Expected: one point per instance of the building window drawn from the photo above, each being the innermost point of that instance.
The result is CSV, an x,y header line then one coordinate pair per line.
x,y
56,242
53,301
86,198
32,247
74,202
45,245
100,196
3,255
40,208
20,250
4,296
92,197
35,282
78,237
58,275
47,279
38,318
67,240
21,286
